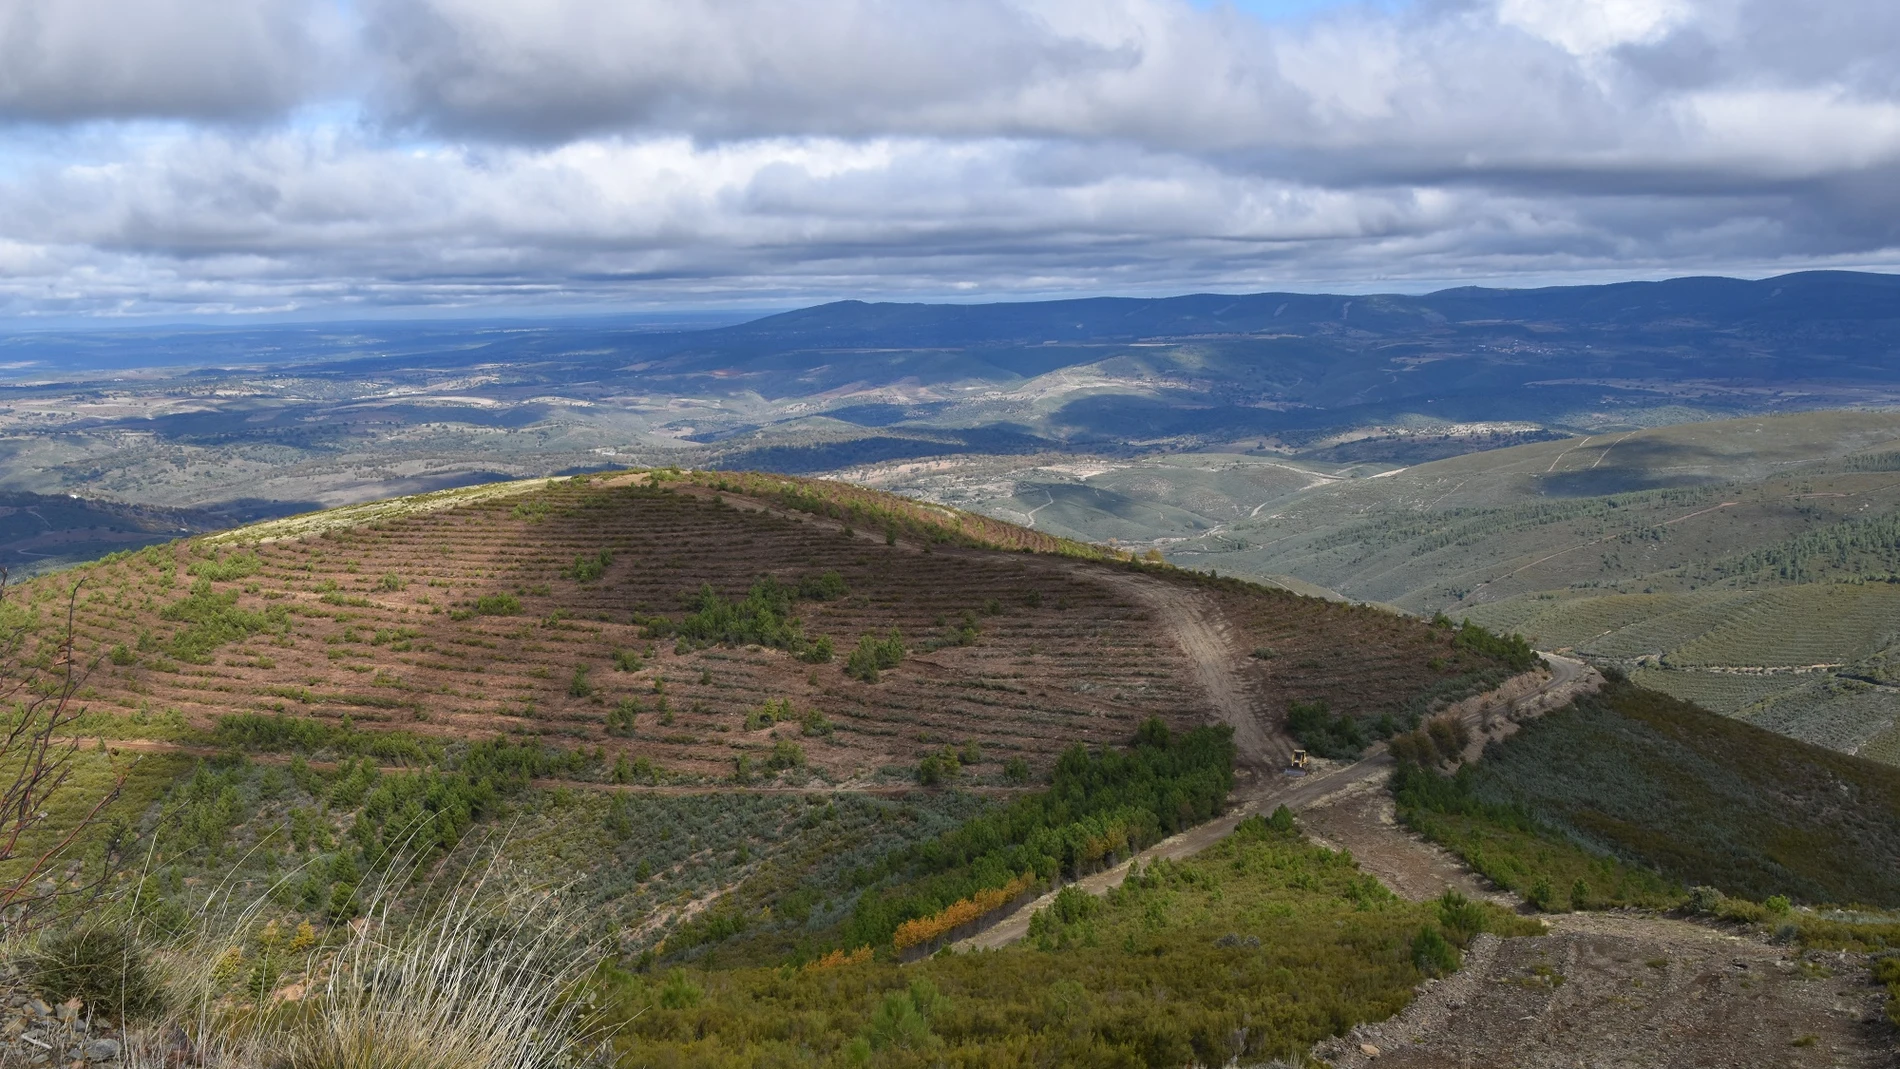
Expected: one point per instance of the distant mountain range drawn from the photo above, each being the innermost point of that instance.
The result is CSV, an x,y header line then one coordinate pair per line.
x,y
330,413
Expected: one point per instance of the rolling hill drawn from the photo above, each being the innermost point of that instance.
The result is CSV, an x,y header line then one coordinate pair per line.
x,y
1746,565
693,621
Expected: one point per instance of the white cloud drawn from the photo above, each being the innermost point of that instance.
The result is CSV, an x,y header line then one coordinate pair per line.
x,y
585,150
1586,26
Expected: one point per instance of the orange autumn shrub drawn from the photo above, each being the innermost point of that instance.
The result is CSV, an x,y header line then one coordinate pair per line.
x,y
924,929
840,957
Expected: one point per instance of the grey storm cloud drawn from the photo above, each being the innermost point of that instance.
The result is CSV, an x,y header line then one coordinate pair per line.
x,y
284,154
74,60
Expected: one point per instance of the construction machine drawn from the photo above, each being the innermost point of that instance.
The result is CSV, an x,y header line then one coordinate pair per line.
x,y
1297,766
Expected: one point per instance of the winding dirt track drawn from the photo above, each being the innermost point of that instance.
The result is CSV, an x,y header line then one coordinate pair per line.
x,y
1197,627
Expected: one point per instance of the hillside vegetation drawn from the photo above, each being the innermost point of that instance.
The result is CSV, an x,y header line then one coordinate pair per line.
x,y
1749,566
1632,796
676,684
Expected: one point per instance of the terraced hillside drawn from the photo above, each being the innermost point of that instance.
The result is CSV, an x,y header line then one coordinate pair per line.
x,y
673,629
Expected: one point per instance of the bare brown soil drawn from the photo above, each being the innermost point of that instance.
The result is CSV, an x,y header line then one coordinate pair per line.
x,y
1626,990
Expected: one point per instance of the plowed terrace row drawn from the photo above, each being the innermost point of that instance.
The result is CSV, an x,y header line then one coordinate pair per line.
x,y
377,624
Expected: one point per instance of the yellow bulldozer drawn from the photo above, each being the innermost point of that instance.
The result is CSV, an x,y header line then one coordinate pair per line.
x,y
1298,764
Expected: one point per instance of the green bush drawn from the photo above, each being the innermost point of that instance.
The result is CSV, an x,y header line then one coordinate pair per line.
x,y
933,770
1099,806
1512,650
763,617
1323,733
235,566
1433,955
873,656
621,718
1460,917
213,619
679,993
902,1020
497,605
99,964
586,569
1541,895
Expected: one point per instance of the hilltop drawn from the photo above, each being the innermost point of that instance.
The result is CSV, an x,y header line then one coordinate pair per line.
x,y
680,624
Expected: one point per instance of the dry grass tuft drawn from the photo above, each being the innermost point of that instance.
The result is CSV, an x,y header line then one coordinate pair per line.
x,y
483,978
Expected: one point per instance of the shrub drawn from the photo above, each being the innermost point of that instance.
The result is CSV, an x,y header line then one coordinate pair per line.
x,y
786,754
577,685
587,569
497,605
902,1020
763,617
1703,899
1541,895
1460,917
679,993
99,964
829,586
235,566
1323,733
1016,770
773,711
931,771
1512,650
213,619
620,719
1065,922
814,723
1433,955
873,656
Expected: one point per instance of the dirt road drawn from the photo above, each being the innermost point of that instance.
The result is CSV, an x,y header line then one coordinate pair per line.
x,y
1407,864
1196,626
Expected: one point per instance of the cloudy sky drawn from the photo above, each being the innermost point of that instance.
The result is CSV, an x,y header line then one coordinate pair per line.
x,y
306,158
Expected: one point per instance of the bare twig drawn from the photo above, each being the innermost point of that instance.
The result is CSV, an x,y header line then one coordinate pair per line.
x,y
36,761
